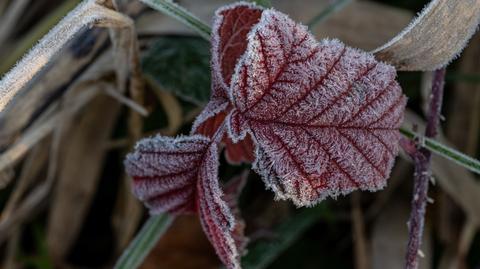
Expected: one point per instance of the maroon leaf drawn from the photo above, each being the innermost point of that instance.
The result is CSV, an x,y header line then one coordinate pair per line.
x,y
181,176
230,28
232,193
324,116
164,172
235,153
216,216
241,152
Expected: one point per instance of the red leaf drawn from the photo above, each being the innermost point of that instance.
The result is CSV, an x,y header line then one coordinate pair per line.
x,y
216,216
164,172
325,117
232,193
235,153
241,152
229,41
181,176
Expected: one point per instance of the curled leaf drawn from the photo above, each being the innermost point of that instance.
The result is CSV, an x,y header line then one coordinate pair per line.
x,y
216,216
324,116
434,38
180,175
232,193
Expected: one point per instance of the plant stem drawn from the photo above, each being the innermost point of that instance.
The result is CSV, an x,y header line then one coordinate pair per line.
x,y
327,12
145,240
173,10
422,157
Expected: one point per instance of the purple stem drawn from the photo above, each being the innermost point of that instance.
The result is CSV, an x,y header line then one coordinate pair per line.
x,y
422,173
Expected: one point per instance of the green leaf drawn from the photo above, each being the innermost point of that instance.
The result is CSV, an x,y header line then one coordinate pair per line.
x,y
264,253
143,243
444,151
180,65
179,13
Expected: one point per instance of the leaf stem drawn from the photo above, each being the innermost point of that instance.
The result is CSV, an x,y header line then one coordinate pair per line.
x,y
444,151
143,243
422,158
327,12
177,12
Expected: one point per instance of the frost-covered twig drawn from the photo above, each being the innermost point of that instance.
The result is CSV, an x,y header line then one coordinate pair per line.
x,y
422,175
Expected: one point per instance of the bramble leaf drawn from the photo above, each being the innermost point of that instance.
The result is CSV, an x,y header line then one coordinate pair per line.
x,y
180,175
215,215
164,172
324,116
229,41
235,153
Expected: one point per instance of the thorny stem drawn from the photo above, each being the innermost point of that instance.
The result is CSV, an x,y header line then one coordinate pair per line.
x,y
421,157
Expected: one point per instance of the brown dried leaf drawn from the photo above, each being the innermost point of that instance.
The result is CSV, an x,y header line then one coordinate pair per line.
x,y
434,38
83,149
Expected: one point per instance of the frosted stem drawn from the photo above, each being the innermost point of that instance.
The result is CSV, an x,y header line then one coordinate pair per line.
x,y
422,174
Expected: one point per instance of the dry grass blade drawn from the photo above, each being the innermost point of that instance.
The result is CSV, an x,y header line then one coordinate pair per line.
x,y
362,255
10,18
434,38
83,151
37,132
85,14
33,165
32,205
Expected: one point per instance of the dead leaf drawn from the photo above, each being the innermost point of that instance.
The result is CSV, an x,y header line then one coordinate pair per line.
x,y
83,150
434,38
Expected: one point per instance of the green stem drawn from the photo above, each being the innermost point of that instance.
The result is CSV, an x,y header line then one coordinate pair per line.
x,y
143,243
327,12
177,12
444,151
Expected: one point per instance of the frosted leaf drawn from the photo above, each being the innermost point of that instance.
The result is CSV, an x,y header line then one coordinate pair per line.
x,y
164,172
324,116
231,25
215,214
434,38
180,175
232,193
230,28
235,153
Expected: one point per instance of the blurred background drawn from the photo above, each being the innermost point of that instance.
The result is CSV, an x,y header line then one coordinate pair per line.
x,y
65,201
